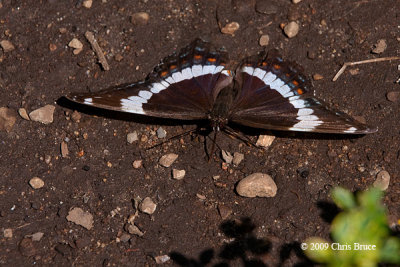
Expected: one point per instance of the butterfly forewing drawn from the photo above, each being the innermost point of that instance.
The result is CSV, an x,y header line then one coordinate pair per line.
x,y
183,86
274,95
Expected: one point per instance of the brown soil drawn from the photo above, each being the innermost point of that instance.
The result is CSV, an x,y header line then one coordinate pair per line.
x,y
98,175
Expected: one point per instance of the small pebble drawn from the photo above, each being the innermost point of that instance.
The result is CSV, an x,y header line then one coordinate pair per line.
x,y
393,96
382,180
257,185
140,18
64,149
230,28
178,174
8,233
7,119
201,197
7,46
134,230
75,116
36,183
226,156
265,140
291,29
224,211
162,259
161,133
125,237
317,77
137,164
22,112
132,137
237,158
168,159
379,47
87,3
296,1
43,114
354,71
75,43
80,217
52,47
264,40
37,236
147,206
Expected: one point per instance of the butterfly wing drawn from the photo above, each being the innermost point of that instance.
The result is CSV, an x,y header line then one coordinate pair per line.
x,y
274,96
183,86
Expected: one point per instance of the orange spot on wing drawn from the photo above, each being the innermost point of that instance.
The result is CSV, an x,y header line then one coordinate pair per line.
x,y
164,73
172,67
276,66
197,57
295,82
264,63
300,91
211,59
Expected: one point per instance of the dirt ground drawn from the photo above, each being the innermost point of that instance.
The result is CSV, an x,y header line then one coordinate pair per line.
x,y
199,220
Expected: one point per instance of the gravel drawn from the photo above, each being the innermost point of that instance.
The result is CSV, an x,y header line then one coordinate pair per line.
x,y
36,183
291,29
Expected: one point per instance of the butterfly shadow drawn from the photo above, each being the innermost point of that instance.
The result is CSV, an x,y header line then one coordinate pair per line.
x,y
245,247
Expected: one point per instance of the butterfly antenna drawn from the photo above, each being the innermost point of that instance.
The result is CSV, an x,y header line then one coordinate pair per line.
x,y
174,137
238,135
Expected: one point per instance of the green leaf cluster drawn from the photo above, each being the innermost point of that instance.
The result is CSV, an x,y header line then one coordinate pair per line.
x,y
363,221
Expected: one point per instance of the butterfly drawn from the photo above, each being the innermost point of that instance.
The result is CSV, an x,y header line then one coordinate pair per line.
x,y
195,84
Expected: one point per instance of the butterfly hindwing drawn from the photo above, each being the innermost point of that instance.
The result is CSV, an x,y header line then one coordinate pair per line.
x,y
274,95
183,86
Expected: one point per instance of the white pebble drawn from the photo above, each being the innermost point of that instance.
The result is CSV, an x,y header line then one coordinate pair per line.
x,y
264,40
230,28
161,259
137,164
7,46
80,217
147,206
8,233
257,185
291,29
168,159
22,112
296,1
36,183
265,140
227,157
37,236
75,43
237,158
161,133
134,230
178,174
87,3
132,137
380,47
43,114
382,180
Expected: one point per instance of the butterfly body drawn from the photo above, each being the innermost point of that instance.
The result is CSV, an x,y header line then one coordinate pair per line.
x,y
265,92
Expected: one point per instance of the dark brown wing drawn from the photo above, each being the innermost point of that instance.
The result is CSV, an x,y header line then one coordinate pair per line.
x,y
274,96
183,86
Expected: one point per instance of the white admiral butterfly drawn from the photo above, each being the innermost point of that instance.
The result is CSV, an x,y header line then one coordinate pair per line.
x,y
265,92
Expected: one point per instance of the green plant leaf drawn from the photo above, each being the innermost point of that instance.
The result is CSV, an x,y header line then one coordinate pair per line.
x,y
391,251
343,198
